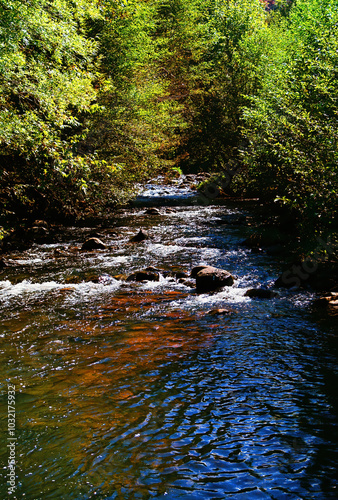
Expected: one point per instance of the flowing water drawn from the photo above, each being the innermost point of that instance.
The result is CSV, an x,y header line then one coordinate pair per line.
x,y
133,391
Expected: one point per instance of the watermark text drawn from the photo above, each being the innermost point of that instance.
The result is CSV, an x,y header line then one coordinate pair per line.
x,y
11,440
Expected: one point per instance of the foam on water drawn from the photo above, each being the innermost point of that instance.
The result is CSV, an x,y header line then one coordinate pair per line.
x,y
7,289
164,250
104,261
87,291
33,261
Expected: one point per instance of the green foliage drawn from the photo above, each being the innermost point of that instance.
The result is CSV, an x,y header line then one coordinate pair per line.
x,y
292,124
46,85
135,126
226,53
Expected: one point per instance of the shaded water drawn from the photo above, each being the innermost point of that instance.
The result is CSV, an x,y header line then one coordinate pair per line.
x,y
132,391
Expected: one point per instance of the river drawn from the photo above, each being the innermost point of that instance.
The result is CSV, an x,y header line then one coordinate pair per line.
x,y
129,390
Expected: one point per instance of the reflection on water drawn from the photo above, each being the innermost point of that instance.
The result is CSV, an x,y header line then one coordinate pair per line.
x,y
132,391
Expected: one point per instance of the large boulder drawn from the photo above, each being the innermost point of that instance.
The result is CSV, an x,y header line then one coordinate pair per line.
x,y
93,244
210,279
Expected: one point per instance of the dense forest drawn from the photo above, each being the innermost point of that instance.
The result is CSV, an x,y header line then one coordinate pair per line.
x,y
96,96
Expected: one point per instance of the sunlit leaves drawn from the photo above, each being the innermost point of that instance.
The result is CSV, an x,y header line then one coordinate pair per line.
x,y
293,122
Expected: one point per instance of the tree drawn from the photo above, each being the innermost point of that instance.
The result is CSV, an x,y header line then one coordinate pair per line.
x,y
46,85
134,129
226,45
292,125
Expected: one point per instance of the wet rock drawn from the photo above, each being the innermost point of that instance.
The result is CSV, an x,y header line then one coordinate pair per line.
x,y
211,279
195,270
93,244
152,211
187,282
153,269
120,277
218,312
324,302
140,236
38,234
144,275
261,293
181,274
327,304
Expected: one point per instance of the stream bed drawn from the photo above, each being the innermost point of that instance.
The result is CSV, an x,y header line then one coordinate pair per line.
x,y
128,390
